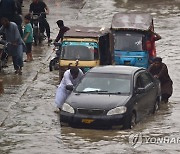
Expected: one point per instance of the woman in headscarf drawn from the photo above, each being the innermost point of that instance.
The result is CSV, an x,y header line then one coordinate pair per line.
x,y
160,71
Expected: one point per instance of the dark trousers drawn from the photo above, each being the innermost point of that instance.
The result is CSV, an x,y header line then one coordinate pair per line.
x,y
44,26
17,62
165,97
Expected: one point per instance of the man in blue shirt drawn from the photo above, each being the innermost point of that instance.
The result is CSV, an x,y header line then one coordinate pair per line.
x,y
15,46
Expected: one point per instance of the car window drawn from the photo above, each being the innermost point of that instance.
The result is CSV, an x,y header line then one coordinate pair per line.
x,y
139,82
145,79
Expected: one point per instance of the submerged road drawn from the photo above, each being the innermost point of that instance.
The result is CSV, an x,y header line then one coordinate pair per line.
x,y
28,122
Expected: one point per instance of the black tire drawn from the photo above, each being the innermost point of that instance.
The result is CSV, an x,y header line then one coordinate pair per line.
x,y
35,41
51,66
40,38
35,35
56,64
56,67
130,121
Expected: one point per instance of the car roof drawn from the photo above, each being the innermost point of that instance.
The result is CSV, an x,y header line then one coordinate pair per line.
x,y
117,69
92,32
136,21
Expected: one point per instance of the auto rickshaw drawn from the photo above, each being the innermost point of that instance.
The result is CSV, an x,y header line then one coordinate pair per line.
x,y
85,47
134,39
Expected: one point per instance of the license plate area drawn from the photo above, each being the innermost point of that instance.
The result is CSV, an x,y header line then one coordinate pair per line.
x,y
87,121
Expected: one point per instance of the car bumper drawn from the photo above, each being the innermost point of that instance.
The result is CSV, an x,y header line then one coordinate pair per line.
x,y
85,121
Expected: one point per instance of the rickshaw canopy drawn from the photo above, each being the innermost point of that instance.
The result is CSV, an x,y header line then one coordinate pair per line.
x,y
132,21
87,32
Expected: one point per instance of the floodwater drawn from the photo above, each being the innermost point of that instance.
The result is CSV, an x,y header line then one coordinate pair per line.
x,y
29,124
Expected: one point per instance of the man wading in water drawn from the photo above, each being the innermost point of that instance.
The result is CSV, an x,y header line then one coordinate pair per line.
x,y
160,71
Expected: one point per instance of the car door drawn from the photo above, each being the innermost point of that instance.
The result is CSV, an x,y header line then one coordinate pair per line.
x,y
140,97
145,99
150,91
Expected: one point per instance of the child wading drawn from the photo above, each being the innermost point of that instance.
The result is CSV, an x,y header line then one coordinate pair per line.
x,y
28,37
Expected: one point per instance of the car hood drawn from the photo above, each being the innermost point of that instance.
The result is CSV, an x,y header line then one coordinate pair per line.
x,y
96,101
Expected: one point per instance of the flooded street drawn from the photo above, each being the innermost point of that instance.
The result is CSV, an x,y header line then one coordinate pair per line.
x,y
29,124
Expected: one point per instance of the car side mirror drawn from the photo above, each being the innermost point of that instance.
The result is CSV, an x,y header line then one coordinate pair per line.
x,y
69,87
140,90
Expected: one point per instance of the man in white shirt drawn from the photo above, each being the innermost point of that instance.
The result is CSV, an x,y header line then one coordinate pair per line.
x,y
71,77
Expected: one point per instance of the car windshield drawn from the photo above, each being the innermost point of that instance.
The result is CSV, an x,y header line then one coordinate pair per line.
x,y
104,83
128,41
85,51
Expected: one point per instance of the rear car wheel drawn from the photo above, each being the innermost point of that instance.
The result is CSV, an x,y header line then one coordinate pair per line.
x,y
130,121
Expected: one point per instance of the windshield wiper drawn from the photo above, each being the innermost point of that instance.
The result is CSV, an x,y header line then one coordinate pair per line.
x,y
101,92
93,91
115,93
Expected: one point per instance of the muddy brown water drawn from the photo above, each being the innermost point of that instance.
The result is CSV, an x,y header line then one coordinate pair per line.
x,y
29,124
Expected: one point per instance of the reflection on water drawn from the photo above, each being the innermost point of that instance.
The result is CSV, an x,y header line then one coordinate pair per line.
x,y
96,140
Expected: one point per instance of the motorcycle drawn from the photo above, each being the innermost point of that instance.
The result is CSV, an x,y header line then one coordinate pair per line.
x,y
3,54
54,63
38,36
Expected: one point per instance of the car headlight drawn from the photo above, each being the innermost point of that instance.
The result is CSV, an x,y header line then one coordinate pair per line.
x,y
67,108
117,110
